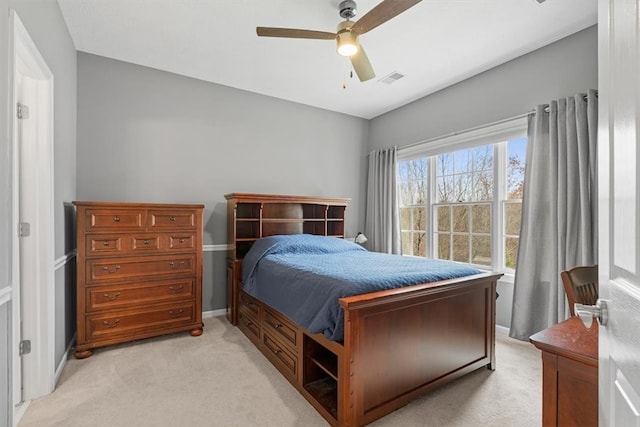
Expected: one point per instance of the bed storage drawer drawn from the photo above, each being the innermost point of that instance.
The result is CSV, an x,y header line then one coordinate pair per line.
x,y
251,305
281,357
249,325
281,328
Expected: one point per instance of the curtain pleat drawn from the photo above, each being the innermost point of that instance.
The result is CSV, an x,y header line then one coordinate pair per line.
x,y
382,225
559,222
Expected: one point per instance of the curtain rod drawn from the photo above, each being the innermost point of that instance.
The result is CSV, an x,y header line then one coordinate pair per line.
x,y
497,122
460,132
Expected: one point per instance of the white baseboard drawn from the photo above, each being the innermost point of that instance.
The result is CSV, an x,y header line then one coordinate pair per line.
x,y
502,330
18,412
214,313
63,362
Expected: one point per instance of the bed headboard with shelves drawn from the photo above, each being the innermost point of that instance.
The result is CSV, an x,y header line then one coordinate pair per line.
x,y
252,216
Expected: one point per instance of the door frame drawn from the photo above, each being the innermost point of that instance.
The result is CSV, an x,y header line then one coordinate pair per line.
x,y
38,311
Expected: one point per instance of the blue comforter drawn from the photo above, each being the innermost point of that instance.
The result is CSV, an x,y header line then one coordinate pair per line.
x,y
303,276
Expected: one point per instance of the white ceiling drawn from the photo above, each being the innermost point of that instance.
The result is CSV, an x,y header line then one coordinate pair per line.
x,y
434,44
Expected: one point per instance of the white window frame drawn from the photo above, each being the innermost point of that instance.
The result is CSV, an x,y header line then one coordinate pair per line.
x,y
498,134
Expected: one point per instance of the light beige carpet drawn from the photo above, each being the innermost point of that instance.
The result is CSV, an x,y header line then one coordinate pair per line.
x,y
221,379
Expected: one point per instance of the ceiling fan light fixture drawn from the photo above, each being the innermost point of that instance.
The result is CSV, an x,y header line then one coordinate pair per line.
x,y
347,39
347,46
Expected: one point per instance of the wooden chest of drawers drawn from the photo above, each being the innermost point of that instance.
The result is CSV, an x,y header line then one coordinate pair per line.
x,y
139,272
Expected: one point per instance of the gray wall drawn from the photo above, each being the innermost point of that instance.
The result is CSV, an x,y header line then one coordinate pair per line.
x,y
563,68
151,136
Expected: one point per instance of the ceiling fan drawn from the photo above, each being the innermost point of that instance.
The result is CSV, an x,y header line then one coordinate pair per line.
x,y
348,31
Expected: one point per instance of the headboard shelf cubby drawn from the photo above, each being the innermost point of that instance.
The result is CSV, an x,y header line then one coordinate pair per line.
x,y
252,216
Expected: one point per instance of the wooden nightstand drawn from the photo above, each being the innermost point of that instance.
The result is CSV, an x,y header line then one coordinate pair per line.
x,y
569,373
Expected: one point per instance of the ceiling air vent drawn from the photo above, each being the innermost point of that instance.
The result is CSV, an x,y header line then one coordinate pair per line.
x,y
391,78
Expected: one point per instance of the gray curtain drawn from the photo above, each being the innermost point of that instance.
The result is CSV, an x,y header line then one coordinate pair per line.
x,y
559,206
382,225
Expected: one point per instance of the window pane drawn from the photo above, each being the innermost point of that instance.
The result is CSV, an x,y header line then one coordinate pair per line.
x,y
481,219
445,189
405,194
461,161
483,158
419,244
444,164
481,250
405,218
444,218
419,219
462,188
516,160
444,246
461,248
483,186
460,218
512,217
406,243
511,252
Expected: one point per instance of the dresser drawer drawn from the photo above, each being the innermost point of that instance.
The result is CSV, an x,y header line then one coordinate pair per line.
x,y
137,294
167,219
180,241
115,219
105,326
104,270
282,359
114,244
105,244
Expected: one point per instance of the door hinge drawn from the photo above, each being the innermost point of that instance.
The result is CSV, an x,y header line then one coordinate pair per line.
x,y
22,111
24,347
24,229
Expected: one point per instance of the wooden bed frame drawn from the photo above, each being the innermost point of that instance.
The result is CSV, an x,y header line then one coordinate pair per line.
x,y
398,343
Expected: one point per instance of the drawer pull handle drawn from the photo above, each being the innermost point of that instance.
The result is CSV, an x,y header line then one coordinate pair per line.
x,y
176,313
111,325
114,270
146,242
176,288
248,324
176,265
116,218
105,243
172,219
112,298
277,325
276,351
181,240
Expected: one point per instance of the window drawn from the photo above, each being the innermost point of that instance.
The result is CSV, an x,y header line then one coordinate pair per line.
x,y
464,204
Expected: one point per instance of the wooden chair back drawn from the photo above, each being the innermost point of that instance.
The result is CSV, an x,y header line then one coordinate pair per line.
x,y
581,285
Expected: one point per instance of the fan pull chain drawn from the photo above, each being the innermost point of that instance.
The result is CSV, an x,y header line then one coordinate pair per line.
x,y
348,74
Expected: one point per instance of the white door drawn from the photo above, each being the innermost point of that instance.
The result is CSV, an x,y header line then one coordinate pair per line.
x,y
619,211
33,264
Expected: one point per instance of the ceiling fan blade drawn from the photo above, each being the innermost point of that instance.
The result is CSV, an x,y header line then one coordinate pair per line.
x,y
361,64
383,12
294,33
